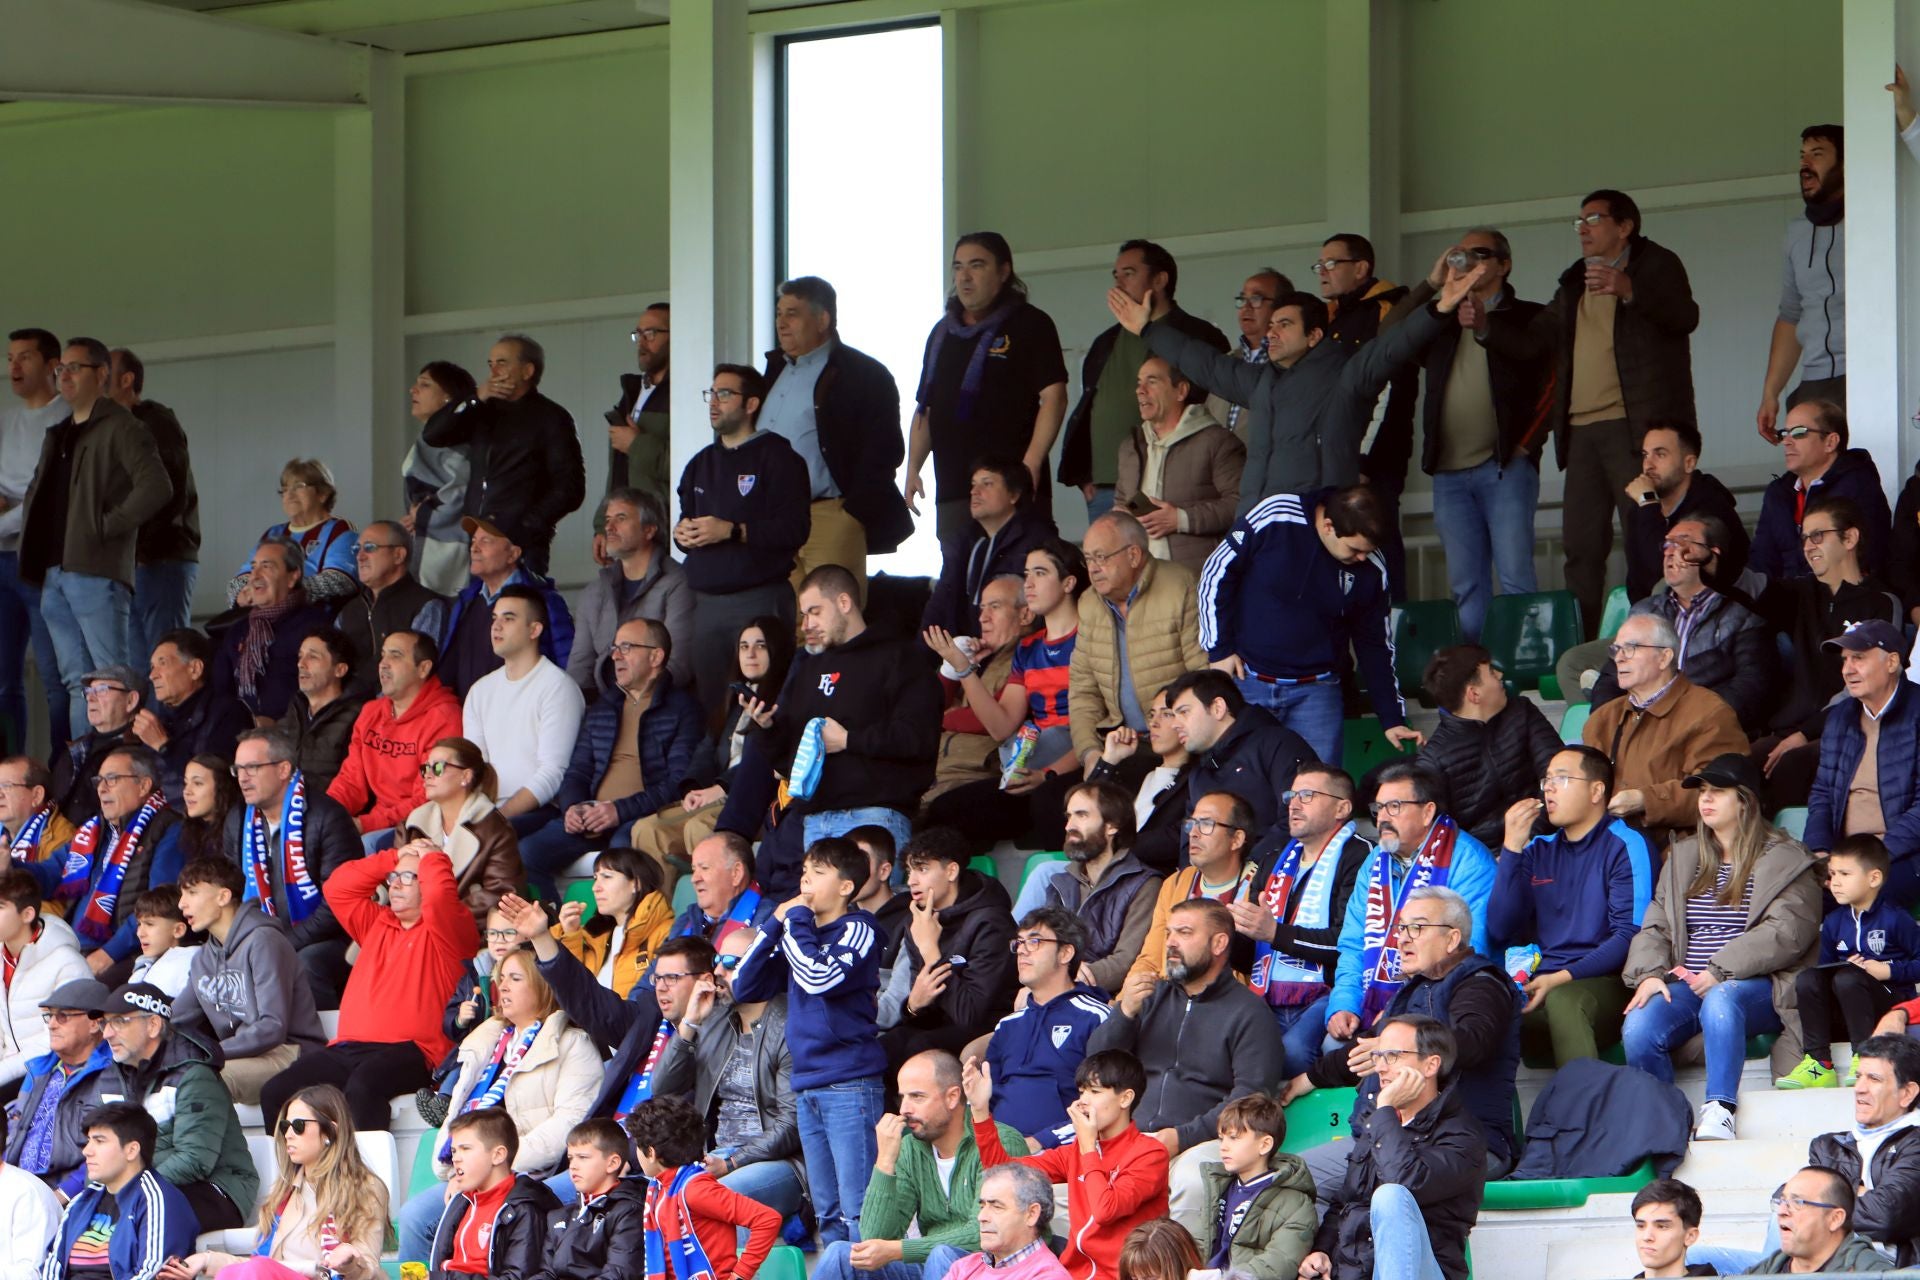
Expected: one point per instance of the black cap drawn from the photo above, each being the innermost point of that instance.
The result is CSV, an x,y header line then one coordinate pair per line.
x,y
140,997
1730,770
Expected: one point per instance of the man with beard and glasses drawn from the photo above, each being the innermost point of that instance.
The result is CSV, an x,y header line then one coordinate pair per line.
x,y
1104,884
1811,329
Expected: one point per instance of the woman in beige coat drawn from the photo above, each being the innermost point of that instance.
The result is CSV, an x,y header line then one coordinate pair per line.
x,y
459,818
1735,916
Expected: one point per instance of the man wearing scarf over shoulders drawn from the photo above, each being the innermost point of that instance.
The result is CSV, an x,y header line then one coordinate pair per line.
x,y
288,840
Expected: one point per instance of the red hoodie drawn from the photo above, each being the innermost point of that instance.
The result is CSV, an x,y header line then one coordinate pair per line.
x,y
1109,1193
379,782
399,987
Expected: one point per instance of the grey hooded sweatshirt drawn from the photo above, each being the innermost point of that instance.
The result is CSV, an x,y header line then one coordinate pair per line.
x,y
250,992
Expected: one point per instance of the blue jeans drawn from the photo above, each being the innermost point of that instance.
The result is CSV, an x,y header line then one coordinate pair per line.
x,y
836,1134
836,1263
771,1182
162,602
87,617
1301,1030
421,1214
20,618
1033,894
1730,1013
837,822
1484,516
1100,503
1311,710
1401,1248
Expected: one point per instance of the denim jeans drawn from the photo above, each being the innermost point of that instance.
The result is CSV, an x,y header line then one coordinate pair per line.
x,y
1033,894
1401,1248
1100,503
771,1182
837,822
87,617
162,602
836,1263
20,619
1311,710
1301,1030
1730,1013
836,1134
421,1214
1484,516
1738,1262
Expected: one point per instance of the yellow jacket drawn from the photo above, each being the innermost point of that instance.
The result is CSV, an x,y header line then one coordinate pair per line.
x,y
647,928
1163,644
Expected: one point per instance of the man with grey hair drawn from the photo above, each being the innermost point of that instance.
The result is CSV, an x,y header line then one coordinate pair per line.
x,y
257,645
390,598
1664,728
1481,436
640,581
1445,979
840,410
525,451
1016,1216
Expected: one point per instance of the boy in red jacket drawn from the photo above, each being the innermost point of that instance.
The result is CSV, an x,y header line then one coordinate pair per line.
x,y
412,953
1116,1176
692,1221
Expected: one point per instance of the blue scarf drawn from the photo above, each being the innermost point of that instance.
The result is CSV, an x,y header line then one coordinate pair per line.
x,y
988,332
669,1227
739,916
640,1084
102,894
1380,949
256,860
491,1086
26,845
1283,980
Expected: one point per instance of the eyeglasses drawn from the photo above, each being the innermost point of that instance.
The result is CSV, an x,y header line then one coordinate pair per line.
x,y
14,786
1814,537
1801,433
727,963
1030,942
102,690
1589,220
286,489
1412,928
1305,796
1797,1203
75,366
648,335
1327,264
437,768
400,879
51,1016
660,979
1206,826
1479,253
121,1021
502,935
298,1125
1625,648
1390,807
247,770
1683,546
368,548
1383,1056
1097,558
1252,300
1556,781
111,779
722,394
626,647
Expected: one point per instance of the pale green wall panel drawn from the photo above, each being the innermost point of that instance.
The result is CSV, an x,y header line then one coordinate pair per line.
x,y
1095,120
537,183
1515,99
177,223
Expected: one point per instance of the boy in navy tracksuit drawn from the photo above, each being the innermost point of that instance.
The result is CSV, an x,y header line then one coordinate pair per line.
x,y
1036,1052
824,952
127,1220
1296,586
1869,961
1578,894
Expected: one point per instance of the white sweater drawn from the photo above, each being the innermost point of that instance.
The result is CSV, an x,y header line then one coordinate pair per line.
x,y
49,962
525,728
29,1221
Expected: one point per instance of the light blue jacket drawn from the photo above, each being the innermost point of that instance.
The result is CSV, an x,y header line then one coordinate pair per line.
x,y
1472,878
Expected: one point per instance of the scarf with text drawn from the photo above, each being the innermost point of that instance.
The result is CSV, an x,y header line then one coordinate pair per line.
x,y
490,1088
26,845
1285,981
1380,948
640,1084
77,878
671,1239
303,894
987,330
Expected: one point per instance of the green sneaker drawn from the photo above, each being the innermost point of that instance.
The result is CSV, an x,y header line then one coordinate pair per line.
x,y
1851,1078
1809,1075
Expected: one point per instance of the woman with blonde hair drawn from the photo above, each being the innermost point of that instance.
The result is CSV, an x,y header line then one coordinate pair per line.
x,y
326,1212
1735,916
1159,1249
460,819
531,1060
331,569
632,917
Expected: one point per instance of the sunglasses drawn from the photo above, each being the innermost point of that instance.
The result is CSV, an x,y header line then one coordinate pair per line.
x,y
297,1125
728,963
435,768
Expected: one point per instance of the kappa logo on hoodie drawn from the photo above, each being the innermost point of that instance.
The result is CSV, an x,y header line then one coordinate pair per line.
x,y
226,990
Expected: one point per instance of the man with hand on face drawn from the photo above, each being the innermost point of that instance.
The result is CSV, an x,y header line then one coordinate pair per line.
x,y
192,719
1166,1022
1253,308
929,1173
1669,489
1578,894
1493,749
524,450
257,644
957,965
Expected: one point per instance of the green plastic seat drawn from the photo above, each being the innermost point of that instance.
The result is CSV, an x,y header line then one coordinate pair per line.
x,y
784,1262
1365,746
1761,1046
580,891
984,865
1613,613
1561,1193
1317,1118
682,894
1527,633
1422,629
1793,821
1035,862
1574,721
422,1176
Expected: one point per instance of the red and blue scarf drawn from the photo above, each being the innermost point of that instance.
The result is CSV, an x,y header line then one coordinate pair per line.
x,y
490,1087
669,1226
26,845
77,880
1380,948
640,1085
1282,980
256,855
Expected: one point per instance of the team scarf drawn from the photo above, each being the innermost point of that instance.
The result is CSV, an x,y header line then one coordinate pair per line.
x,y
95,924
303,895
26,845
669,1227
250,663
329,1231
508,1053
739,916
1380,952
640,1084
987,331
1285,981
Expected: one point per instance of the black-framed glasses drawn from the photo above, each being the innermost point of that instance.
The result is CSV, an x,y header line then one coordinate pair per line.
x,y
102,690
662,978
111,779
502,935
244,770
1796,1203
1384,1057
74,366
1206,826
1325,265
399,879
1814,537
626,647
1305,795
721,394
1031,942
1413,928
51,1016
649,334
1390,807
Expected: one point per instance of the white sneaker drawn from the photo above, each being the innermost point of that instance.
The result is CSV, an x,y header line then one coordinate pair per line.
x,y
1716,1124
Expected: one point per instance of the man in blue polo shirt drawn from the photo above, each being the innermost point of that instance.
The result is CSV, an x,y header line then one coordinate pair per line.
x,y
1036,1050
